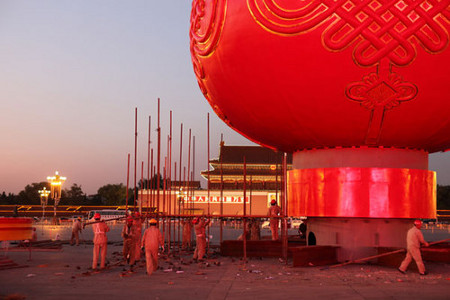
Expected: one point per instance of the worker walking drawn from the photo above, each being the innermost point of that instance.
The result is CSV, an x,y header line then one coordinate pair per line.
x,y
76,229
137,223
129,242
274,211
100,241
187,232
200,234
151,241
414,238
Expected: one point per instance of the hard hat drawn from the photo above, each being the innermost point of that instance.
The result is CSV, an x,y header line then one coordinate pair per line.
x,y
273,202
136,214
97,216
153,221
196,220
417,222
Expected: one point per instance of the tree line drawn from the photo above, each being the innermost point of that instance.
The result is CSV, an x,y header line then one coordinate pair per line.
x,y
109,194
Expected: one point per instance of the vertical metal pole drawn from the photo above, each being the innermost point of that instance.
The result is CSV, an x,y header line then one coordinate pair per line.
x,y
180,195
189,166
193,175
135,157
170,183
148,170
245,213
284,190
158,162
142,187
152,174
221,188
128,182
209,184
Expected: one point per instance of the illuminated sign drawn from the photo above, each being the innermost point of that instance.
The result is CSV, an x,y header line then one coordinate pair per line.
x,y
216,199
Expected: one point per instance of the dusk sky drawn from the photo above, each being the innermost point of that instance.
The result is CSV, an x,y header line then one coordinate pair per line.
x,y
71,75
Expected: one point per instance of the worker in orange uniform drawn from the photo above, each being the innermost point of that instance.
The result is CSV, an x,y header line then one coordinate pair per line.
x,y
414,238
137,223
100,241
129,242
76,229
274,210
187,231
151,241
200,234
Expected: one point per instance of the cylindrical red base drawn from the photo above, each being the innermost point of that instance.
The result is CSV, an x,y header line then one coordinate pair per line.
x,y
362,183
361,198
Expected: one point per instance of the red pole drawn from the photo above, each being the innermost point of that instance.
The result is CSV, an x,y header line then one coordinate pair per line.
x,y
221,188
207,249
189,165
179,206
148,169
170,182
142,187
152,174
245,213
158,161
193,175
128,181
208,167
135,157
285,207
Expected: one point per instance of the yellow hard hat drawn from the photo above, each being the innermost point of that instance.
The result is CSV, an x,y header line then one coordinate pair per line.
x,y
153,221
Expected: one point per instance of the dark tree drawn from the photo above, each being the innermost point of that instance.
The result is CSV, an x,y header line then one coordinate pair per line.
x,y
74,196
113,194
30,194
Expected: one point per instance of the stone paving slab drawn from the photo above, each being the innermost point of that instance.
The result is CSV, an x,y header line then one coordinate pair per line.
x,y
59,275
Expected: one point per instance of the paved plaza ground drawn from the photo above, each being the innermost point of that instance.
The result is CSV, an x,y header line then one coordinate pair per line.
x,y
64,275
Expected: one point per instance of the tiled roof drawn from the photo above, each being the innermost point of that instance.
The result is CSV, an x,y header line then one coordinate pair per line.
x,y
252,154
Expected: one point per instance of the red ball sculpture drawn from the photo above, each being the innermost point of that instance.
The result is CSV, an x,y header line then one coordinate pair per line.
x,y
295,75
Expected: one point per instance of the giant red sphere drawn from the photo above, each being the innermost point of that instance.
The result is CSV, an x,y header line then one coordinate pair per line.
x,y
296,75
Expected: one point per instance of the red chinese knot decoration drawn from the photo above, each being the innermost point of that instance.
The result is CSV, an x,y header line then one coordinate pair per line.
x,y
291,57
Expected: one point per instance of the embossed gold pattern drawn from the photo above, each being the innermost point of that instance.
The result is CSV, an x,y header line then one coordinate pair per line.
x,y
368,22
207,18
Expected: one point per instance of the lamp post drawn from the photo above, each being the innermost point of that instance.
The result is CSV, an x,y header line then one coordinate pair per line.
x,y
56,182
43,194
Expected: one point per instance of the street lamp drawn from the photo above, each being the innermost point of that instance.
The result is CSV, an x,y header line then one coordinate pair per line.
x,y
44,199
56,182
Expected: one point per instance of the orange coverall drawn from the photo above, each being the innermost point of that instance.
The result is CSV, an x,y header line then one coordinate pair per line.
x,y
414,238
129,243
200,234
100,243
151,240
187,229
274,210
76,228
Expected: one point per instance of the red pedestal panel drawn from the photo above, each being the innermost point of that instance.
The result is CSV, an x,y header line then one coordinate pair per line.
x,y
12,229
362,193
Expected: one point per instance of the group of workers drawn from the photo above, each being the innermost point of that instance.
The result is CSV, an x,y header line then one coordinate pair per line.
x,y
134,242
